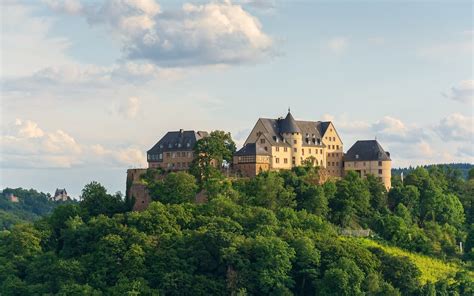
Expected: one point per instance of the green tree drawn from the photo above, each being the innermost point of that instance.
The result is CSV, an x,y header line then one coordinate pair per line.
x,y
210,153
175,188
96,201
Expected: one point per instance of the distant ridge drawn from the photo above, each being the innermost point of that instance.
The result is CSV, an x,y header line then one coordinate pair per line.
x,y
462,167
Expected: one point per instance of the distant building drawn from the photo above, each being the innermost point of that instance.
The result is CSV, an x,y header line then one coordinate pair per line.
x,y
175,150
12,198
368,157
284,143
60,195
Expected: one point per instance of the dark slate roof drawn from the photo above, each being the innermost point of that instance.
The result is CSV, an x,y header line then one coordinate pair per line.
x,y
177,141
308,129
251,149
367,150
288,125
60,191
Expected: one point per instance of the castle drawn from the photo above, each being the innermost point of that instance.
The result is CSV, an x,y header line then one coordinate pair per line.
x,y
272,145
283,143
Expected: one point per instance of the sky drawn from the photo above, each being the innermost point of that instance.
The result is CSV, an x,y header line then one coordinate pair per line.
x,y
87,87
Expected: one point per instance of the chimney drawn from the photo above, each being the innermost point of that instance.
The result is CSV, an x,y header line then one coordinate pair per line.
x,y
181,131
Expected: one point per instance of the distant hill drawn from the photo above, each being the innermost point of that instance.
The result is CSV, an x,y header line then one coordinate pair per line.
x,y
31,205
461,167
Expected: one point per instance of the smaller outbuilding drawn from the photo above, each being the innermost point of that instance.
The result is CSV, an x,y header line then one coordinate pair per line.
x,y
368,157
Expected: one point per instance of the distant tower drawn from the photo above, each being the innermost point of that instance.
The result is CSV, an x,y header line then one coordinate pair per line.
x,y
292,134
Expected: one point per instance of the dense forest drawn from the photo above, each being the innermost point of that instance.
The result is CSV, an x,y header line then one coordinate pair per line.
x,y
280,233
462,168
276,234
32,205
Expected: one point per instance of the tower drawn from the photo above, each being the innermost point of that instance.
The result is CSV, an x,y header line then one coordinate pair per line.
x,y
290,131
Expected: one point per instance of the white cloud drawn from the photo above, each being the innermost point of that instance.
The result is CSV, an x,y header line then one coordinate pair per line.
x,y
462,92
28,129
87,78
392,129
338,44
205,34
130,108
27,146
456,127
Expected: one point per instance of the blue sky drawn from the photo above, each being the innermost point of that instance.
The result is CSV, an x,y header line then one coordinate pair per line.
x,y
89,86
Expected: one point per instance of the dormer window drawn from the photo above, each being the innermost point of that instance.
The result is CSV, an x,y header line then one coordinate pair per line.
x,y
170,145
179,144
161,145
188,144
357,156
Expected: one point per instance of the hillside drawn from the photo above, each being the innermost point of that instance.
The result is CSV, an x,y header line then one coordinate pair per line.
x,y
32,205
462,168
275,234
432,269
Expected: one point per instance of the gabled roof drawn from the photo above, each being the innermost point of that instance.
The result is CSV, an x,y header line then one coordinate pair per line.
x,y
367,150
177,141
251,149
289,125
308,129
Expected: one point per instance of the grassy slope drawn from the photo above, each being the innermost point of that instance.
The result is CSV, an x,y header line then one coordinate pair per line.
x,y
432,269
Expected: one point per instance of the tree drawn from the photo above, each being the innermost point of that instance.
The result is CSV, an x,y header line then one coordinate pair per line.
x,y
210,153
175,188
96,201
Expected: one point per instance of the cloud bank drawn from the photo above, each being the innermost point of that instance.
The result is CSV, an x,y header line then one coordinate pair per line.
x,y
202,34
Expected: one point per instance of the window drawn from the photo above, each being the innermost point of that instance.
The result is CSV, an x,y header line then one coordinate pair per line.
x,y
160,156
321,151
364,163
337,163
329,163
161,145
169,145
337,147
285,160
333,164
168,154
333,147
380,172
285,149
334,139
294,141
357,156
302,151
174,155
294,149
277,149
380,163
309,150
262,141
293,160
321,162
277,160
179,145
266,148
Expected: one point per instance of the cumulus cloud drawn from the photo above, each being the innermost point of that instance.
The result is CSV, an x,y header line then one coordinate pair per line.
x,y
393,129
462,92
456,127
25,145
89,77
130,108
28,129
204,34
338,44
